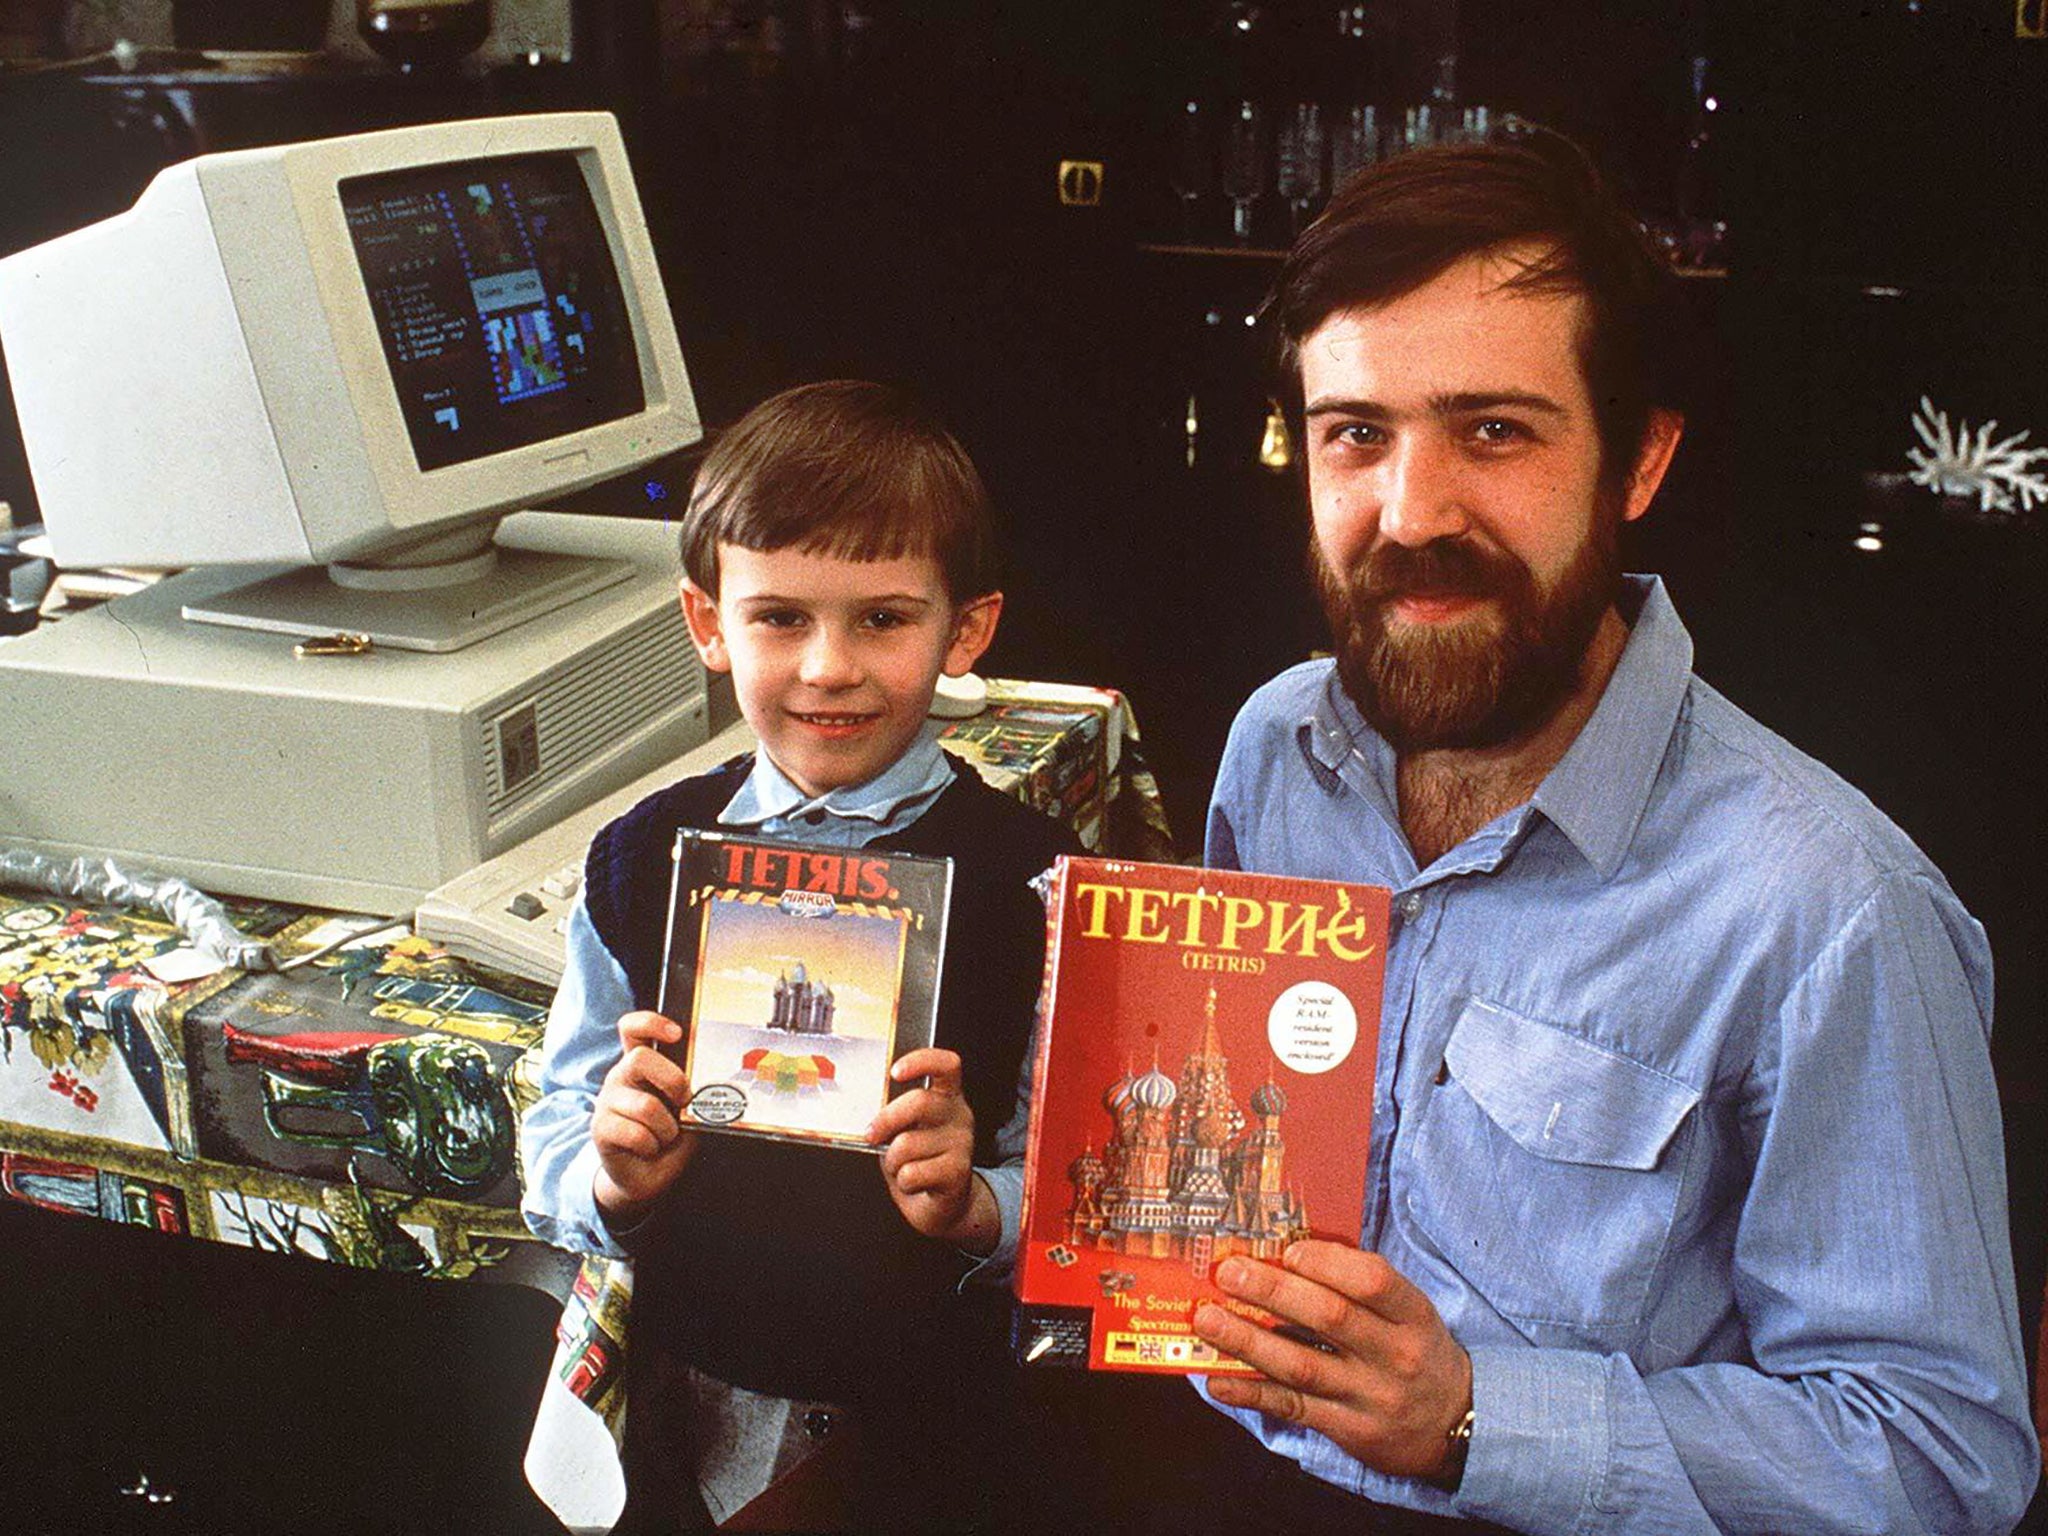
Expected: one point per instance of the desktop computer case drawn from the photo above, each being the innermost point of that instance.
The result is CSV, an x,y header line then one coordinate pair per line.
x,y
353,782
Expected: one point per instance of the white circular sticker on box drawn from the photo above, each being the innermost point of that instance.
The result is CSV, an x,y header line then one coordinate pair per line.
x,y
1312,1027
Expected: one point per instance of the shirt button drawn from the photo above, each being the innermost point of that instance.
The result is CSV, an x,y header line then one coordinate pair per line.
x,y
1411,908
814,817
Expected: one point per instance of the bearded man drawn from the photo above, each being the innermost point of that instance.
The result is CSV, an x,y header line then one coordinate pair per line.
x,y
1686,1208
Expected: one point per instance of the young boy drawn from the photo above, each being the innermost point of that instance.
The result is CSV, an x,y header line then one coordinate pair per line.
x,y
836,548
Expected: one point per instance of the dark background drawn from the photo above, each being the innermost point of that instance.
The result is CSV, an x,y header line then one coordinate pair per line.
x,y
869,188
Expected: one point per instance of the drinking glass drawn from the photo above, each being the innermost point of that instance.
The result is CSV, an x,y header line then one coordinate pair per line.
x,y
1420,127
1300,155
1355,144
1194,166
1244,166
422,34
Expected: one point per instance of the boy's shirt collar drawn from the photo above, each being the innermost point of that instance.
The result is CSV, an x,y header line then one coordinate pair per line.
x,y
768,803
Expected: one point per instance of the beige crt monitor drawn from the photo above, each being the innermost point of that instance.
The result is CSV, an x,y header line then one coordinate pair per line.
x,y
343,363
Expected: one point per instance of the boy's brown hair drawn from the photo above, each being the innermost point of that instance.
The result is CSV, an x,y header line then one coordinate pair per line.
x,y
853,470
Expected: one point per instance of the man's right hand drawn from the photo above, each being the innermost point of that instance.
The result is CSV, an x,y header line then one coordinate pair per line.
x,y
642,1146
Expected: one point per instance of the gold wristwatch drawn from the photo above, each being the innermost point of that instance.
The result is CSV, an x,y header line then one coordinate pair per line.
x,y
1460,1438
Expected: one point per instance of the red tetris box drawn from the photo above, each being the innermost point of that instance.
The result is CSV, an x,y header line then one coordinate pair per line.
x,y
1203,1087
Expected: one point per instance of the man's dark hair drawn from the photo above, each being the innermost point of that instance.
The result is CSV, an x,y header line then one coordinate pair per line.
x,y
1399,224
844,468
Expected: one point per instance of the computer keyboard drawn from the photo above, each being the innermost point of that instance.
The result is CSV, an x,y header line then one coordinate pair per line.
x,y
510,911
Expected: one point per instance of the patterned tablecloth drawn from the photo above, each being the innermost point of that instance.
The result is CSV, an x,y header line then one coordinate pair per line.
x,y
1074,753
362,1107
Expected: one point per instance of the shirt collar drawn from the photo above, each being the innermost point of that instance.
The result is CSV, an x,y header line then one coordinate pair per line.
x,y
1596,794
768,795
1340,745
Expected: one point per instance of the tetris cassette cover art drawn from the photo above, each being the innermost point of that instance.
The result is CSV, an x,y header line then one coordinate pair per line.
x,y
799,974
1203,1088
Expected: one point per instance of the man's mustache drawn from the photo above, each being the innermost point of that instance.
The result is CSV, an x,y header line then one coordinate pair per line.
x,y
1440,568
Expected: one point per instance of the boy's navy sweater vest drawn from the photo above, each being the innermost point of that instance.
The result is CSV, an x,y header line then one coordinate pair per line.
x,y
786,1269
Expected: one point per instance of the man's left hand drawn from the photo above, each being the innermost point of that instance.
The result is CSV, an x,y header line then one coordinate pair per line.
x,y
1393,1382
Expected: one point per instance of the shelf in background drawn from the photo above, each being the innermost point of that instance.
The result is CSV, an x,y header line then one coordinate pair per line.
x,y
1240,252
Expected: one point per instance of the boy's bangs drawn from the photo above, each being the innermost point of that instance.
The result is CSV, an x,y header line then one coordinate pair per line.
x,y
844,469
866,539
884,507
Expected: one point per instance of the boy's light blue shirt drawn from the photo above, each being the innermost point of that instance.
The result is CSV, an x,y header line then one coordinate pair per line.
x,y
770,804
582,1041
1684,1122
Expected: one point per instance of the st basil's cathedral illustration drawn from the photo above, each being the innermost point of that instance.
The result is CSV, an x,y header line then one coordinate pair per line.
x,y
1181,1177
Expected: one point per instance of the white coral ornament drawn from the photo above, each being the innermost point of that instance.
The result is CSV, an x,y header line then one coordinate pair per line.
x,y
1965,462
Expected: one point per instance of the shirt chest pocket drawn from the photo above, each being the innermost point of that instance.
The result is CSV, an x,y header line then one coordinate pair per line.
x,y
1547,1170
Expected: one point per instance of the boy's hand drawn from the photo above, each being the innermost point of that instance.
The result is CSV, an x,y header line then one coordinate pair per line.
x,y
929,1161
641,1145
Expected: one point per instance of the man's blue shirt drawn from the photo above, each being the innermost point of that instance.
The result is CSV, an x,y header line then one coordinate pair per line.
x,y
1684,1121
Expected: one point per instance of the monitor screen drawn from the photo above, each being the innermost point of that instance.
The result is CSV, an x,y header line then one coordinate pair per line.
x,y
346,351
498,302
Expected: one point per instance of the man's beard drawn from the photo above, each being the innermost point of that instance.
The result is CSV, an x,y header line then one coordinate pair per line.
x,y
1480,682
